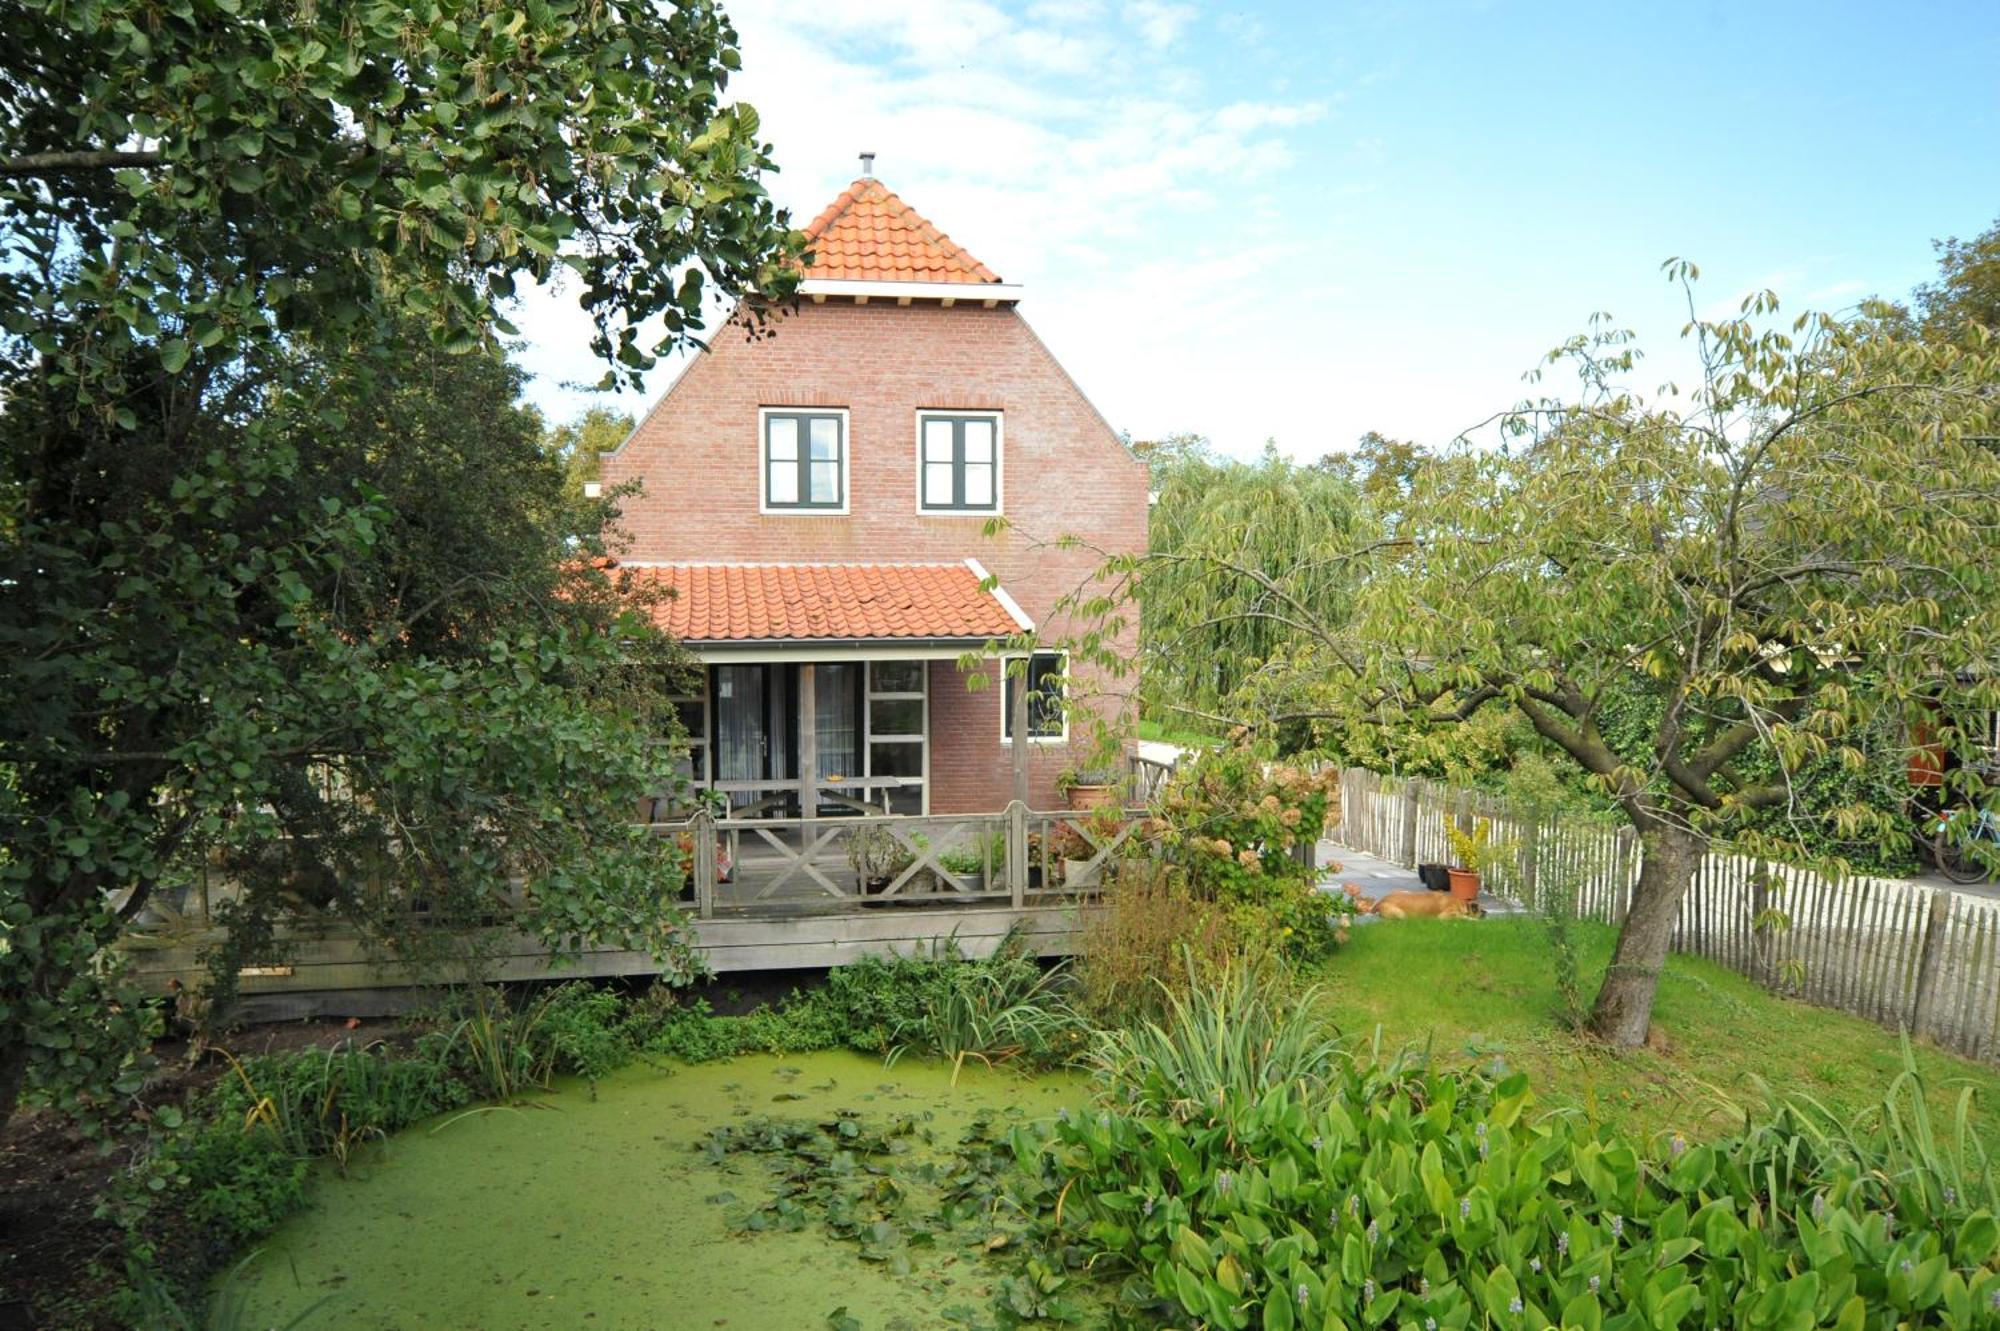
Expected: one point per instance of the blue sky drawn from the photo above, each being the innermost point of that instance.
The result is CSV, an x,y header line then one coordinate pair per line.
x,y
1301,221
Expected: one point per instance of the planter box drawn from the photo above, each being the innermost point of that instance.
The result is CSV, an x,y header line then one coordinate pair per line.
x,y
1081,873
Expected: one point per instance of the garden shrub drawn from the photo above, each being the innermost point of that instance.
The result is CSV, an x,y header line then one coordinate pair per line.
x,y
1238,823
1150,932
583,1030
323,1102
1370,1193
690,1031
238,1182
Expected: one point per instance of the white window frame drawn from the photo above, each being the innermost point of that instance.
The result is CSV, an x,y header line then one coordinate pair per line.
x,y
999,419
1007,698
764,505
868,698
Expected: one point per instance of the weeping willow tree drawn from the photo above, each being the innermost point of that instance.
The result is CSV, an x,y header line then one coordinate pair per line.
x,y
1217,651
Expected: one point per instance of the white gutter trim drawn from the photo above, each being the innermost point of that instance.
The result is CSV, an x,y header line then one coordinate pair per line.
x,y
887,649
984,292
1001,595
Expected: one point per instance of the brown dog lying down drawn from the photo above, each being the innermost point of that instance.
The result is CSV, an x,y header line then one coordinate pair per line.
x,y
1419,905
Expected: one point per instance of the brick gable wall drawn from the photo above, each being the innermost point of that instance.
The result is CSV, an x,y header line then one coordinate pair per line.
x,y
1063,473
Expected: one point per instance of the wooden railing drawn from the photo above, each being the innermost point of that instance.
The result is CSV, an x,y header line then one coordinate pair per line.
x,y
1018,857
1905,954
1149,778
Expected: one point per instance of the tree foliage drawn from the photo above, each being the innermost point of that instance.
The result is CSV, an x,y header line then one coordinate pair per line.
x,y
1966,295
1802,558
1213,647
1707,605
581,441
288,586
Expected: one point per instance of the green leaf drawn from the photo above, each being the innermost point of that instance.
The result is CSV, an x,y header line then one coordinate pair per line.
x,y
1278,1310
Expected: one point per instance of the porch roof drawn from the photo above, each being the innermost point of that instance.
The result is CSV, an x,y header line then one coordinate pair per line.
x,y
735,605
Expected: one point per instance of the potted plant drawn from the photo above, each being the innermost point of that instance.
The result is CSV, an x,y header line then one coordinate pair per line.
x,y
723,867
1083,790
1075,852
966,865
1035,862
1473,852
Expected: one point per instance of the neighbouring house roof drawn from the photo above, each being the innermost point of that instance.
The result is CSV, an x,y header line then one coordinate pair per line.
x,y
821,603
868,234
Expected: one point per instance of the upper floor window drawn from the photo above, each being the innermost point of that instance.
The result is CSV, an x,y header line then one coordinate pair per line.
x,y
805,460
958,462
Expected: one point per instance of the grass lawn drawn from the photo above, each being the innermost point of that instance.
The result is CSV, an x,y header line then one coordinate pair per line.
x,y
1487,989
1169,734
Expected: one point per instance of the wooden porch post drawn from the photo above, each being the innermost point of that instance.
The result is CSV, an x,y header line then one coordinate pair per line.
x,y
1017,704
1017,854
808,742
704,864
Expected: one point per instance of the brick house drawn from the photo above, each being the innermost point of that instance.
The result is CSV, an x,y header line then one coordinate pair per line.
x,y
817,499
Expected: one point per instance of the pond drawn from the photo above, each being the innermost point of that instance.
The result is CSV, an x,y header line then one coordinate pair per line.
x,y
607,1214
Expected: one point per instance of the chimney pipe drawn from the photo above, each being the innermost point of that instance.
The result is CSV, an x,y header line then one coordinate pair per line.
x,y
868,165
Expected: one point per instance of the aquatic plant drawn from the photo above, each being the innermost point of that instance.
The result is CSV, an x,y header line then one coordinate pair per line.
x,y
1371,1192
1224,1040
997,1008
995,1013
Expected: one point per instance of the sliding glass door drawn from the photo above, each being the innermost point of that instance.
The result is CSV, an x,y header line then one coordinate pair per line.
x,y
755,720
870,720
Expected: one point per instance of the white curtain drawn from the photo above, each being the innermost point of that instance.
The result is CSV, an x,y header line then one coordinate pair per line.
x,y
739,722
838,723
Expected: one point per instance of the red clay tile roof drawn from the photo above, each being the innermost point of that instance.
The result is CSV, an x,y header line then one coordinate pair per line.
x,y
868,234
821,602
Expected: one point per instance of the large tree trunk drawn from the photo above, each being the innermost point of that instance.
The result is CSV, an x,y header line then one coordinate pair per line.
x,y
1624,1009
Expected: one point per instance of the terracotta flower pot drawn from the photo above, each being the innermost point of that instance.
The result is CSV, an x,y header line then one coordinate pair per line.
x,y
1083,798
1465,884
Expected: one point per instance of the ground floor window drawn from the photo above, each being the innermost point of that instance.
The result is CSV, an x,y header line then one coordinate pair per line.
x,y
1048,712
899,732
869,733
692,709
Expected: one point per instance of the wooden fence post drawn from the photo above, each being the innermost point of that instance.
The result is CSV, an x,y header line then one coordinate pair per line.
x,y
1412,794
1531,855
704,865
1621,879
1928,963
1760,930
1017,854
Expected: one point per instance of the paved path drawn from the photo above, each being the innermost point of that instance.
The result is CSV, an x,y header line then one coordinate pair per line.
x,y
1986,891
1376,876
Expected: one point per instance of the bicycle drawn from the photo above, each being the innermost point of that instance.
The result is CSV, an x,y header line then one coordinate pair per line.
x,y
1965,844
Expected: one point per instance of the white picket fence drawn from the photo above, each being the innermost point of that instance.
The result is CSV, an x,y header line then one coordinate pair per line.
x,y
1903,954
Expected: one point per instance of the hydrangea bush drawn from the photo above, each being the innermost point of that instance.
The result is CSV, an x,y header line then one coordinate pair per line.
x,y
1238,821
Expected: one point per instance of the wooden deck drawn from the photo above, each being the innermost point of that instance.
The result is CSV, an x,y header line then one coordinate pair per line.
x,y
768,895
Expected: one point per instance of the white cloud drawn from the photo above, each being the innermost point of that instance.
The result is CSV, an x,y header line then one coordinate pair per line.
x,y
1158,22
1130,198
